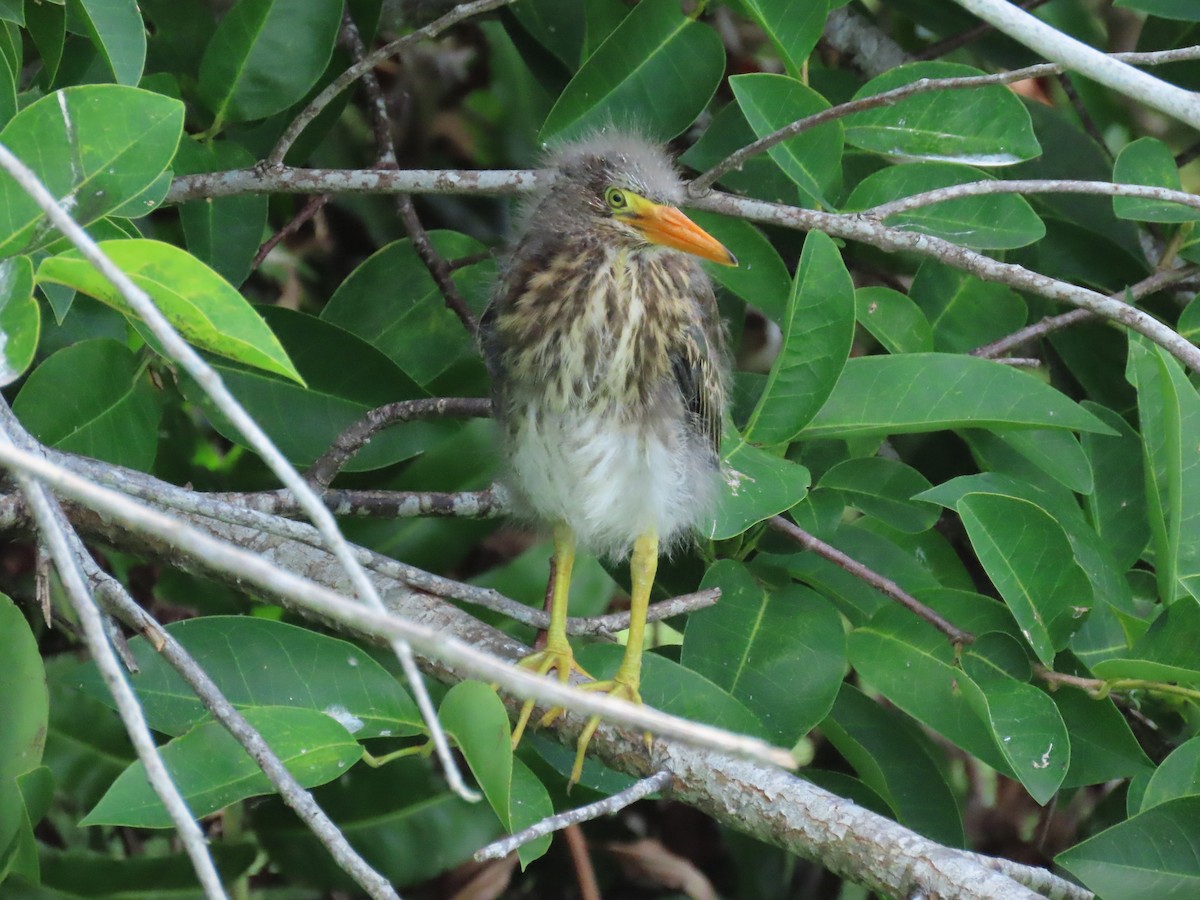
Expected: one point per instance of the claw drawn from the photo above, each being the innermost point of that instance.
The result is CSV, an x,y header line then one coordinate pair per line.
x,y
622,690
557,659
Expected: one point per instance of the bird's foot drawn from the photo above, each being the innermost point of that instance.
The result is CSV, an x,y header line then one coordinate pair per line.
x,y
617,687
557,659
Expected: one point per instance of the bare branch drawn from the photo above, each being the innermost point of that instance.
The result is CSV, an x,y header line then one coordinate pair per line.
x,y
639,790
1046,883
310,209
954,42
885,586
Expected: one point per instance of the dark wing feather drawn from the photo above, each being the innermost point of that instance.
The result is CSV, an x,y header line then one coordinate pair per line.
x,y
698,363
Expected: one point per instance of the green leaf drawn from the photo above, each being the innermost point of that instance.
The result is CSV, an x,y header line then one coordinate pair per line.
x,y
100,144
24,702
793,26
93,398
982,126
656,71
895,760
1149,161
77,873
556,26
224,232
47,26
760,177
964,312
760,278
818,329
352,688
1177,776
1153,854
475,716
116,29
893,320
1166,652
391,301
265,55
884,488
1029,560
20,318
781,652
211,769
915,392
202,306
984,222
813,158
755,486
1169,412
1056,453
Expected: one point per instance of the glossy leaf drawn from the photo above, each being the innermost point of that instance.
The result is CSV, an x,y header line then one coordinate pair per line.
x,y
1055,453
1177,776
84,873
390,301
818,329
258,662
93,398
781,652
914,392
101,144
983,222
1168,9
202,306
964,312
1169,412
20,318
1149,161
760,177
1154,854
243,74
813,158
755,485
893,320
1029,560
656,71
24,702
212,770
116,28
983,126
1117,505
893,758
884,488
1166,652
475,716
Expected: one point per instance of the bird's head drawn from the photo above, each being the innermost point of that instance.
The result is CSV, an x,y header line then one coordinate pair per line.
x,y
625,190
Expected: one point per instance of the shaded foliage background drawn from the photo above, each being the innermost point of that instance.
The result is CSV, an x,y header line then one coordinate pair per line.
x,y
1049,511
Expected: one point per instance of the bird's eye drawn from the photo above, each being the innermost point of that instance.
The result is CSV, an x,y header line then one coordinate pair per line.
x,y
615,199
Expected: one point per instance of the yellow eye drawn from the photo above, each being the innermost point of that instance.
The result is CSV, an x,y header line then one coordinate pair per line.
x,y
615,199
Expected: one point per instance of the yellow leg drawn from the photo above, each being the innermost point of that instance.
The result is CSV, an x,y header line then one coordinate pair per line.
x,y
643,566
557,655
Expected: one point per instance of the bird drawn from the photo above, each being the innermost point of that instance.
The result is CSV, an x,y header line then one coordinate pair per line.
x,y
607,361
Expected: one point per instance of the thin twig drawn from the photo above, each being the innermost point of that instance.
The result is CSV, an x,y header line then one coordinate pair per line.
x,y
177,349
639,790
1050,324
310,209
956,41
118,601
885,586
52,529
319,600
1029,362
367,63
358,435
1030,186
1085,116
485,504
581,860
700,185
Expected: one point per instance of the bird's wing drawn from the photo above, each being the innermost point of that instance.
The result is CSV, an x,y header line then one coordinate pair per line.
x,y
698,363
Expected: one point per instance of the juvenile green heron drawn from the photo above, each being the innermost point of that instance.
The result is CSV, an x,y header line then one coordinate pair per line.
x,y
608,371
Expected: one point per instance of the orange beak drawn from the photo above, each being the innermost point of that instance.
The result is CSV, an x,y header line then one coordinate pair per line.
x,y
669,227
